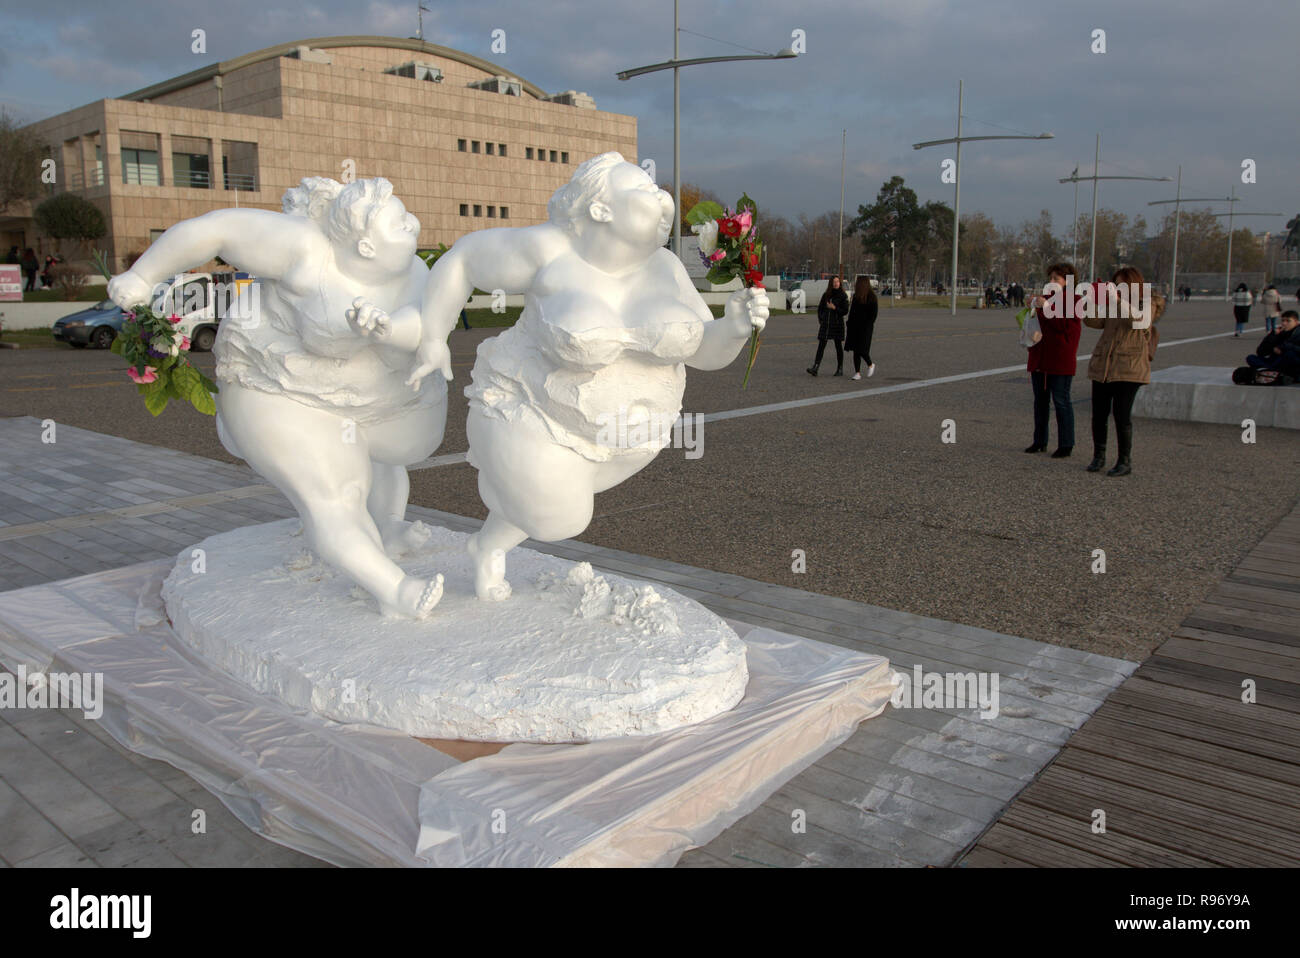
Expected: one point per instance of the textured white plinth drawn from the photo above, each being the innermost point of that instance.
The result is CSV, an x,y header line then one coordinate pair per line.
x,y
571,656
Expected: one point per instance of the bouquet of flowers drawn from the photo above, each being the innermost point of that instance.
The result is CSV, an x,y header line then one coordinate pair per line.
x,y
730,247
157,351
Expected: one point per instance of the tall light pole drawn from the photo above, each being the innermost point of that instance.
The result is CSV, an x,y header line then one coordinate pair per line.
x,y
956,199
1232,214
893,280
1075,178
1074,224
675,64
1178,201
844,139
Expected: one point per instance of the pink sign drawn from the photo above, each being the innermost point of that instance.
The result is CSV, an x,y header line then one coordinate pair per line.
x,y
11,284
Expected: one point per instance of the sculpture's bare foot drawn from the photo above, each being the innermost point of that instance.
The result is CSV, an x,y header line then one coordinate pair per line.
x,y
401,537
415,599
489,573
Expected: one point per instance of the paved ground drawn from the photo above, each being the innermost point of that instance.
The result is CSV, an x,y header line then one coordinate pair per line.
x,y
975,532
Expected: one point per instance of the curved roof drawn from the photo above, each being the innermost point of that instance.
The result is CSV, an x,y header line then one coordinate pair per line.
x,y
324,43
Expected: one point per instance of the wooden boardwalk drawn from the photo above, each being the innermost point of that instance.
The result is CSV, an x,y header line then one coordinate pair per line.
x,y
1185,771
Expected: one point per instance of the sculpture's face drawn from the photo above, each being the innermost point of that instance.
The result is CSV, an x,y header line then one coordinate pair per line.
x,y
640,212
393,236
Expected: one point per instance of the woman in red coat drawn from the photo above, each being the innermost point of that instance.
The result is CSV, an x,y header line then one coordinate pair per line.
x,y
1052,362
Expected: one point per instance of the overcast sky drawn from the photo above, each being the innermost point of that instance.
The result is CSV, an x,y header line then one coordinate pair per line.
x,y
1204,83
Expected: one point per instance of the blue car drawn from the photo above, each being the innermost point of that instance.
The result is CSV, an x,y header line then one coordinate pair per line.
x,y
96,326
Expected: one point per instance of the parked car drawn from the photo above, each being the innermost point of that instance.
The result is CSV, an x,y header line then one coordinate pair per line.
x,y
97,326
193,295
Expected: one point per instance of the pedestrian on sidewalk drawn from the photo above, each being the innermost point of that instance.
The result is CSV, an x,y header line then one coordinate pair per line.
x,y
1271,300
1241,303
1121,364
31,266
1052,361
831,310
861,326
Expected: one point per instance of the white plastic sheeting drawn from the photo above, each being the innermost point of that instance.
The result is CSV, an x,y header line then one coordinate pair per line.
x,y
360,795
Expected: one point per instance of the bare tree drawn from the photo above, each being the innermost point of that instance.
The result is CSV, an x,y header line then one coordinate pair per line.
x,y
20,163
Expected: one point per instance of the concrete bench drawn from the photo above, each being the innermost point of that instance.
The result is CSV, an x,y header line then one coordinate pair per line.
x,y
1208,394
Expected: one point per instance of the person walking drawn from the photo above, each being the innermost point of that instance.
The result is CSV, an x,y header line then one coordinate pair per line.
x,y
31,265
1052,362
861,326
831,310
1271,300
1241,303
1121,364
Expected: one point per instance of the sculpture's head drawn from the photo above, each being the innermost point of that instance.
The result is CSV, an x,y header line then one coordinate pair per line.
x,y
311,198
366,221
609,193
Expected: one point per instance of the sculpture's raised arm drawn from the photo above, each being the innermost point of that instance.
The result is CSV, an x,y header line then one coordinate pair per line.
x,y
261,242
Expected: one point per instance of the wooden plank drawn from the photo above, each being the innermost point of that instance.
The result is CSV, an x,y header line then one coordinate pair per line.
x,y
1247,807
1215,755
1194,767
1076,831
1231,678
1275,584
1239,641
1036,850
1256,744
1268,845
1226,711
1212,846
1274,597
980,857
1156,672
1253,629
1231,659
1240,608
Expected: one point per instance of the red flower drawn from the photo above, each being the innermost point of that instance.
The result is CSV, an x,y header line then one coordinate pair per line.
x,y
754,277
751,258
729,226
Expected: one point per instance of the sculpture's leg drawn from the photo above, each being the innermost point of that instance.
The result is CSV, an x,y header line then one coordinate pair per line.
x,y
323,467
488,548
389,489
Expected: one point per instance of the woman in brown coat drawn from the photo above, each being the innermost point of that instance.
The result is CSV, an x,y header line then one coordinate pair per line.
x,y
1121,362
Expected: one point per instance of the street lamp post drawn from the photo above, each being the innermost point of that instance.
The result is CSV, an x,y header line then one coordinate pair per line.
x,y
956,198
1178,201
893,280
1075,178
675,64
1232,214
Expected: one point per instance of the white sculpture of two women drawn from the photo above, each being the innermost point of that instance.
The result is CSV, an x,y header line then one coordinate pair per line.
x,y
330,403
611,320
322,413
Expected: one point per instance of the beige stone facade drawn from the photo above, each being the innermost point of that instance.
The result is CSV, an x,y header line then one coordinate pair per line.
x,y
243,131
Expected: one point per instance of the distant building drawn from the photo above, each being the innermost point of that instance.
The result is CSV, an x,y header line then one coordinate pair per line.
x,y
466,144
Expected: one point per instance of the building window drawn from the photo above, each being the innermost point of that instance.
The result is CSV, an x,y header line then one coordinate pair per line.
x,y
554,157
541,154
474,146
505,212
501,149
478,210
154,234
564,157
462,145
239,165
139,159
490,148
192,162
528,153
464,209
492,212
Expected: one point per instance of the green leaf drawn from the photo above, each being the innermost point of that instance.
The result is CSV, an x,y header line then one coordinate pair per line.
x,y
116,345
745,203
721,275
155,400
201,400
704,211
208,385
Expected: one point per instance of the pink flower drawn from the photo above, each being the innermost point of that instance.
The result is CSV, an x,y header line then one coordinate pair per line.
x,y
718,255
129,315
150,374
185,342
746,220
173,318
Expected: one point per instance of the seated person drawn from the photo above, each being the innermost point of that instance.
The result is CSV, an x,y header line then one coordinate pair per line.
x,y
1280,349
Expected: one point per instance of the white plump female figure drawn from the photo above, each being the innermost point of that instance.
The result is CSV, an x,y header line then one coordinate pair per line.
x,y
610,323
320,411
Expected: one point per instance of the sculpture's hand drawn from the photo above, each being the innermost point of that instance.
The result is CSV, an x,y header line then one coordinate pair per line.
x,y
368,319
129,289
433,355
747,310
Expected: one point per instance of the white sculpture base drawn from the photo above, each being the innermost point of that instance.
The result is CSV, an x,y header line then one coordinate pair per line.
x,y
571,656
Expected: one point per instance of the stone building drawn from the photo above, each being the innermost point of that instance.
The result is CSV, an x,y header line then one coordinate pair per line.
x,y
465,144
